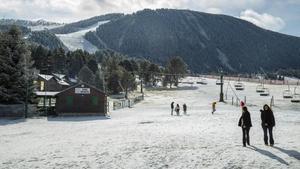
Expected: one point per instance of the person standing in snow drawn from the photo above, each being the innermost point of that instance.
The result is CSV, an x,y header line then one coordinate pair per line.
x,y
245,123
172,108
177,109
213,107
267,122
184,108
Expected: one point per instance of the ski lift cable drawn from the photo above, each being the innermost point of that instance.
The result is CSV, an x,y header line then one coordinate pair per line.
x,y
227,88
234,92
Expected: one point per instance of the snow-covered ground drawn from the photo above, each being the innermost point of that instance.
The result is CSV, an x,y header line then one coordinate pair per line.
x,y
76,40
146,136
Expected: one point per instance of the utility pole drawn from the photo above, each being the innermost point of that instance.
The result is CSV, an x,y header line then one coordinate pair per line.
x,y
221,90
26,92
142,86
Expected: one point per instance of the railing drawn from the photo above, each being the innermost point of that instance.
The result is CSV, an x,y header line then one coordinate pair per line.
x,y
123,103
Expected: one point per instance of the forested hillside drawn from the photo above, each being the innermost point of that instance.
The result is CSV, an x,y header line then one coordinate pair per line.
x,y
206,42
77,26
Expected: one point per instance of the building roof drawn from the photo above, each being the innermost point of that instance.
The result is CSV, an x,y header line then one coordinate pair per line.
x,y
62,82
60,76
41,93
73,80
79,84
46,77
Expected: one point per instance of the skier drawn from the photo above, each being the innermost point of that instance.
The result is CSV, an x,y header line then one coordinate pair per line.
x,y
177,109
184,108
172,108
213,107
245,123
267,122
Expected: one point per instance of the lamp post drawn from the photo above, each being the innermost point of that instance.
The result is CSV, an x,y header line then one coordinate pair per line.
x,y
221,88
26,92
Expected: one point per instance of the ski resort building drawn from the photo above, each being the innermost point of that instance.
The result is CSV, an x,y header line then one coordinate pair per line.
x,y
54,82
47,86
81,99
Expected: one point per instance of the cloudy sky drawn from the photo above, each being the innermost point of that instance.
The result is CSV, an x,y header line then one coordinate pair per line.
x,y
277,15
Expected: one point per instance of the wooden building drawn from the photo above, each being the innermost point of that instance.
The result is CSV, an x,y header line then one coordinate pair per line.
x,y
54,82
81,99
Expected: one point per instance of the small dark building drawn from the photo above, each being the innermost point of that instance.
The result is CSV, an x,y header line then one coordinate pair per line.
x,y
81,99
55,82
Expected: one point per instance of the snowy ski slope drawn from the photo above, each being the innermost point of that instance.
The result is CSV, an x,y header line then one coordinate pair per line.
x,y
76,40
146,136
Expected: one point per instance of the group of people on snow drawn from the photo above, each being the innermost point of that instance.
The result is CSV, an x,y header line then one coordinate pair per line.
x,y
267,123
177,109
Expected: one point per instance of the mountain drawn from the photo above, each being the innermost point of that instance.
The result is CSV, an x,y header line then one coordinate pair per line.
x,y
55,35
42,37
27,23
5,28
46,39
36,32
83,24
72,35
207,42
33,25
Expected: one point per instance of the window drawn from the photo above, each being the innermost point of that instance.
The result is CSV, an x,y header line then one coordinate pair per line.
x,y
94,100
69,100
42,87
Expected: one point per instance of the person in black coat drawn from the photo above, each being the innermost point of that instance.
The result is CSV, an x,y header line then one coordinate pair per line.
x,y
172,108
267,123
177,110
184,108
245,123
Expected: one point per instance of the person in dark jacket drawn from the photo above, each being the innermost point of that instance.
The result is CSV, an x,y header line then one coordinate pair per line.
x,y
245,123
184,108
267,123
177,110
172,108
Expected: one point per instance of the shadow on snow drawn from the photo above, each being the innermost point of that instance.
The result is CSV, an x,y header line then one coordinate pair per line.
x,y
77,118
291,153
4,122
269,154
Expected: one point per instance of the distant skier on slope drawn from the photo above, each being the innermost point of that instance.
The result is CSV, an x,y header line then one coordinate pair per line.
x,y
213,107
177,109
245,123
267,122
172,108
184,108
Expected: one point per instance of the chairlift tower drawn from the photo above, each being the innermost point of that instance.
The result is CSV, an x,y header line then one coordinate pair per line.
x,y
221,88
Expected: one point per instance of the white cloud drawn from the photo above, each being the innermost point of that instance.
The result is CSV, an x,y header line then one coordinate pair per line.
x,y
263,20
71,10
214,10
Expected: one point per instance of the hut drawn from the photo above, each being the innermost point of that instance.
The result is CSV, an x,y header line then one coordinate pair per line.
x,y
55,82
81,99
47,86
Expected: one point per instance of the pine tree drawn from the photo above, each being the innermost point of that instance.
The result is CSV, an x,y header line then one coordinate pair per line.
x,y
93,65
86,75
59,60
99,80
39,55
144,71
175,69
16,73
154,71
127,82
76,60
